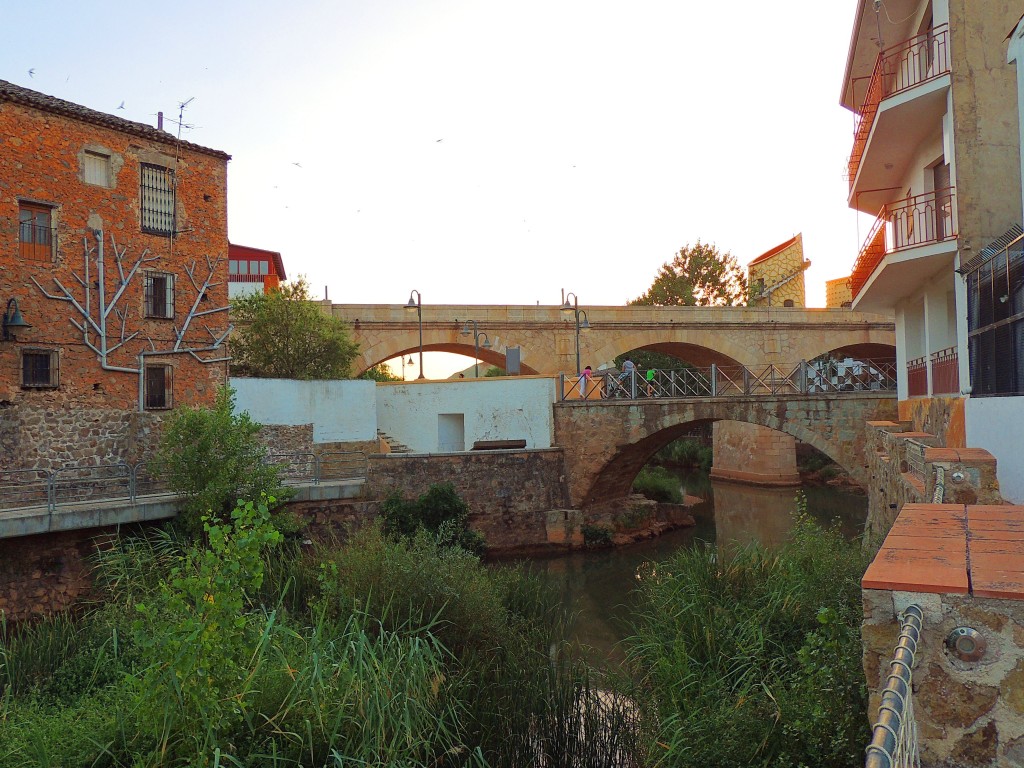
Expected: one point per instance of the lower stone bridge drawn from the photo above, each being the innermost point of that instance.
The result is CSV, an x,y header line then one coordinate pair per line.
x,y
607,442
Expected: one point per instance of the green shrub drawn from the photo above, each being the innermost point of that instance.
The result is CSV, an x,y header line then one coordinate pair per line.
x,y
686,452
440,511
753,658
658,484
212,457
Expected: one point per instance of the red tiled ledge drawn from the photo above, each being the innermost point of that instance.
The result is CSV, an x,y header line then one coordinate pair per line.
x,y
953,549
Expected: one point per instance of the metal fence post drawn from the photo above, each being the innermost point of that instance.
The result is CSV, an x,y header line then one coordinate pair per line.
x,y
714,380
632,384
561,385
803,377
746,381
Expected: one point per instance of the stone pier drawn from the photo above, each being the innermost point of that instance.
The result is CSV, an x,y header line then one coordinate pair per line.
x,y
748,453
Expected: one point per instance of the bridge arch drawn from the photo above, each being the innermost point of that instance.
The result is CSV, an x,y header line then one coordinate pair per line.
x,y
606,444
408,344
698,351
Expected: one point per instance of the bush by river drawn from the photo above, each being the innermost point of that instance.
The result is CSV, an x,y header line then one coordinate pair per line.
x,y
241,648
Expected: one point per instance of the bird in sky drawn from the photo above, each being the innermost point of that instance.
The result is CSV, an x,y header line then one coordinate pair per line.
x,y
121,105
32,72
297,165
439,141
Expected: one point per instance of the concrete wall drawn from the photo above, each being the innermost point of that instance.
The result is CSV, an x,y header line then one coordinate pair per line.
x,y
989,421
340,411
501,408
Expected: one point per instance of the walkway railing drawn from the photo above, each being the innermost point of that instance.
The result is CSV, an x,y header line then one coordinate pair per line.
x,y
894,735
814,377
72,486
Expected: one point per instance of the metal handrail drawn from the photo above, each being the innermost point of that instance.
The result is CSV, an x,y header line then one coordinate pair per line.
x,y
71,485
894,735
813,377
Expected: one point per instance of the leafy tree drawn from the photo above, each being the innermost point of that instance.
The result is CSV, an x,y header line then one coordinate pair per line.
x,y
647,358
699,276
495,371
284,335
379,372
212,457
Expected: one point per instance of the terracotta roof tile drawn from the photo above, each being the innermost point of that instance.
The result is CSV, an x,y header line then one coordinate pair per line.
x,y
27,97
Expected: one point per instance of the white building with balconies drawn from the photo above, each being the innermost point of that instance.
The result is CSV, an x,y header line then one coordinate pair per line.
x,y
935,161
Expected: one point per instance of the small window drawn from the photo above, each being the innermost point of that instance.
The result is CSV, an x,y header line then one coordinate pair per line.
x,y
96,168
156,198
243,267
39,368
158,385
35,232
788,303
159,298
264,268
233,267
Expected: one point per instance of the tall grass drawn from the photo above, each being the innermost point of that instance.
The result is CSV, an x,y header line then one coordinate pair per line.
x,y
753,657
658,484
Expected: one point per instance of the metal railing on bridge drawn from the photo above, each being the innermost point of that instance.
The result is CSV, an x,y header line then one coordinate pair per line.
x,y
815,377
127,483
894,735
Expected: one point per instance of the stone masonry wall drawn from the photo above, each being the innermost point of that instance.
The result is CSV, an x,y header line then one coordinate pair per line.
x,y
509,493
33,437
747,453
968,475
969,714
41,575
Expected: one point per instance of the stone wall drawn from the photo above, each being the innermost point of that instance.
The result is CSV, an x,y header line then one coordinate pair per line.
x,y
948,475
36,437
747,453
45,574
509,493
968,713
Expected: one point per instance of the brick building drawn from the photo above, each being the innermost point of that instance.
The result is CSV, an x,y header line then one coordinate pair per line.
x,y
113,249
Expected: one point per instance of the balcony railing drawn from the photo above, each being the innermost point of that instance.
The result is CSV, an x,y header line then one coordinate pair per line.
x,y
898,69
945,372
917,377
908,223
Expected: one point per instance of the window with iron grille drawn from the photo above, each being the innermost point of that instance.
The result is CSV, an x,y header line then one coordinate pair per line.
x,y
995,321
156,199
158,387
159,294
35,232
39,368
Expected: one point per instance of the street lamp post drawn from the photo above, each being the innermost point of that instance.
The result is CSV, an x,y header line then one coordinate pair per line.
x,y
476,344
418,306
580,326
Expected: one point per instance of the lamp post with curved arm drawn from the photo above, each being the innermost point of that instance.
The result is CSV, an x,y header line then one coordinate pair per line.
x,y
476,344
418,306
583,325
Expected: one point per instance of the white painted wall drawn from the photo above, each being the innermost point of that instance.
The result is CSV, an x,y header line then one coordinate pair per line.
x,y
997,425
340,411
502,408
237,290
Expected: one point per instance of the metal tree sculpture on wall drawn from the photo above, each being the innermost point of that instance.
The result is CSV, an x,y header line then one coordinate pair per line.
x,y
104,322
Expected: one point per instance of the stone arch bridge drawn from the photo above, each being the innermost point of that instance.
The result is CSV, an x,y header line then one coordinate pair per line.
x,y
750,336
606,443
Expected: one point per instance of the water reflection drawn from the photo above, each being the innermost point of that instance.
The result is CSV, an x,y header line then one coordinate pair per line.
x,y
597,586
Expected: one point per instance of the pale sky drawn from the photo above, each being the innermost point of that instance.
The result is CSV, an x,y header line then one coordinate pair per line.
x,y
483,152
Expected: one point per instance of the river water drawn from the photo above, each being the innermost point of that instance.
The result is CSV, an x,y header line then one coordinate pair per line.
x,y
597,586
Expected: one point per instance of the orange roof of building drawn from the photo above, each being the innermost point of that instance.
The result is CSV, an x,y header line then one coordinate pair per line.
x,y
777,249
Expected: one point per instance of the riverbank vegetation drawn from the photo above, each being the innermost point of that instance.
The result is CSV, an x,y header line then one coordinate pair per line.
x,y
753,657
244,647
